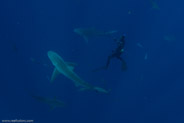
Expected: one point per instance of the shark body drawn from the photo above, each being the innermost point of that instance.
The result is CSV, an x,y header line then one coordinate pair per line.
x,y
66,68
86,33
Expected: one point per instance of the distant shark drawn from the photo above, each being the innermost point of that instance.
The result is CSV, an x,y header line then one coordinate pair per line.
x,y
86,33
54,103
66,68
154,5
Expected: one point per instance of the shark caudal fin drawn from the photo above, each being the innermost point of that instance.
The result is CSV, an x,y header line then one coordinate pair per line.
x,y
54,74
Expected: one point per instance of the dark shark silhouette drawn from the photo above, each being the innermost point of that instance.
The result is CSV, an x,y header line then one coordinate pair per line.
x,y
54,103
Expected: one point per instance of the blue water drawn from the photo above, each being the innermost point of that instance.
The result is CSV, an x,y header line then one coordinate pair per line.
x,y
150,91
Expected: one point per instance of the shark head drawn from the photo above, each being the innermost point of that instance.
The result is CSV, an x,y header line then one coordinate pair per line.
x,y
54,57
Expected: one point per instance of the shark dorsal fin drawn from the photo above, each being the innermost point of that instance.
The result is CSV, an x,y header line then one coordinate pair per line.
x,y
54,75
71,65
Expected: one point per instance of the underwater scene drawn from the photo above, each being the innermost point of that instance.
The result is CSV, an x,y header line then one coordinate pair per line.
x,y
92,61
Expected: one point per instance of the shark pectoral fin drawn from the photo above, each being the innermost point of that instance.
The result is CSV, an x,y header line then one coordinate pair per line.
x,y
54,74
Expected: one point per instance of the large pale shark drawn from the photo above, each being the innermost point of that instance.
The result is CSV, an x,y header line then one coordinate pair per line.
x,y
54,103
86,33
66,68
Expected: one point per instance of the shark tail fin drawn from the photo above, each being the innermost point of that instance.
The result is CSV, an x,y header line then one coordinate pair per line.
x,y
54,75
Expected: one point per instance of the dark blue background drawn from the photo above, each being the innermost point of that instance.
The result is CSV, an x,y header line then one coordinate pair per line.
x,y
150,91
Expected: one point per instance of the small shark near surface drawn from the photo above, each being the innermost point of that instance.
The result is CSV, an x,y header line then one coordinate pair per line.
x,y
169,38
154,5
66,68
87,33
54,103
